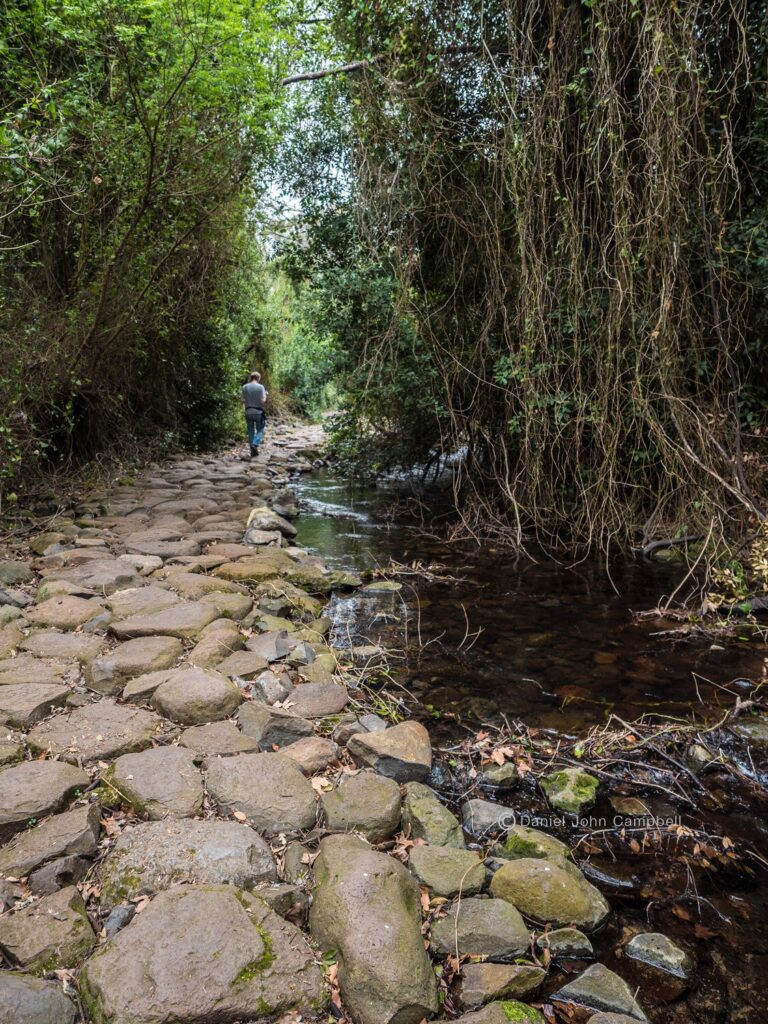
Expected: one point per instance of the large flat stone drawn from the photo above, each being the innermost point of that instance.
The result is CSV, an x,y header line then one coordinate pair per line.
x,y
403,752
73,833
101,575
141,601
50,934
28,1000
243,664
202,955
34,789
217,738
110,673
64,645
195,696
269,789
185,621
154,856
65,612
366,908
96,732
160,783
316,700
25,704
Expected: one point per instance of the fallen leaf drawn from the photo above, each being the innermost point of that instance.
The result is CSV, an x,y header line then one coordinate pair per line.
x,y
239,816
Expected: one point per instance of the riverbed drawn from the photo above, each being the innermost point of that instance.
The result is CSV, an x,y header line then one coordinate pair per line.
x,y
479,638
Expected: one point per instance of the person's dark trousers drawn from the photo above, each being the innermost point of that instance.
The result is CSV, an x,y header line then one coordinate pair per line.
x,y
255,421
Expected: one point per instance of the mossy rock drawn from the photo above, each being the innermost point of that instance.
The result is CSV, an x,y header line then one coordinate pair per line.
x,y
570,790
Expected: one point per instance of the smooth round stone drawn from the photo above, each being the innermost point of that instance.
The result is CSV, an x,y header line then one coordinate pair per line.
x,y
317,700
195,696
28,1000
545,892
366,803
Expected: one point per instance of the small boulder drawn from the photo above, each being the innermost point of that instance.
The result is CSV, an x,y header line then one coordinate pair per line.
x,y
159,783
499,776
385,975
217,738
402,752
491,928
482,817
446,871
28,1000
318,700
566,943
269,789
195,695
486,981
312,753
272,727
366,803
124,604
545,892
424,817
50,934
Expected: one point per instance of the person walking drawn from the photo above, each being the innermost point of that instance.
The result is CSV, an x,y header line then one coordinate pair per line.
x,y
254,396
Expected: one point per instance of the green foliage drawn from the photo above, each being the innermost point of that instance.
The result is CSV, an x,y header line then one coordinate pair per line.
x,y
133,134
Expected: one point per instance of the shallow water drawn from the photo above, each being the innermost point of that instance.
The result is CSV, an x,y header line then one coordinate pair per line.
x,y
560,649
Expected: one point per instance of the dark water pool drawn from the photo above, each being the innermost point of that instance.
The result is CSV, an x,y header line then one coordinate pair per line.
x,y
487,636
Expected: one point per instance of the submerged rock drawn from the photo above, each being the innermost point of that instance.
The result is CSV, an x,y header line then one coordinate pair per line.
x,y
570,790
659,960
366,907
202,953
600,989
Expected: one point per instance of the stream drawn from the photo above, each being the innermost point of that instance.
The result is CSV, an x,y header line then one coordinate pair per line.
x,y
485,637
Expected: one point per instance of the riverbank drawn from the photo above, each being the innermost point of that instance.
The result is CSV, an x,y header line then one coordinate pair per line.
x,y
209,811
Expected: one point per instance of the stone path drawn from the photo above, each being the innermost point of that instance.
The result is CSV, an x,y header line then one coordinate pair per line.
x,y
187,766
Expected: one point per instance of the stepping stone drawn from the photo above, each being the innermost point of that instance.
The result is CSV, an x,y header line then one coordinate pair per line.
x,y
547,893
140,689
243,664
483,816
141,601
65,612
269,789
218,738
366,803
312,753
522,841
110,673
64,645
424,817
483,982
162,548
33,789
153,856
160,783
28,1000
27,670
53,933
217,642
272,727
101,575
403,752
195,585
13,572
194,696
213,954
185,621
73,833
267,565
316,700
446,871
271,646
492,929
25,704
96,732
366,908
230,606
598,988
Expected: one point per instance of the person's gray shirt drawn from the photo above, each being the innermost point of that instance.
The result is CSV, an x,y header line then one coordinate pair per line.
x,y
254,395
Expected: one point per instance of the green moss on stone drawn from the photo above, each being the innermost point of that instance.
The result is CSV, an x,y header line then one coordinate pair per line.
x,y
520,1013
